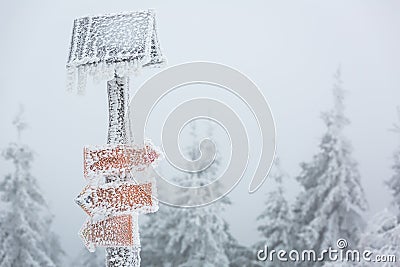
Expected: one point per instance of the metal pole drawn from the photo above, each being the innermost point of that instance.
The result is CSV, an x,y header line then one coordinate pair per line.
x,y
119,133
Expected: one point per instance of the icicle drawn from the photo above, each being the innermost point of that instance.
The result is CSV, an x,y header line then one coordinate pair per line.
x,y
139,69
71,78
82,77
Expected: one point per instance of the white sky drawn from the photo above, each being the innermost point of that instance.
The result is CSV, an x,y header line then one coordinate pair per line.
x,y
289,48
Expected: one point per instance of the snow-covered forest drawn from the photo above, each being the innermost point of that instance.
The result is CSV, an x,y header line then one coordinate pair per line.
x,y
330,205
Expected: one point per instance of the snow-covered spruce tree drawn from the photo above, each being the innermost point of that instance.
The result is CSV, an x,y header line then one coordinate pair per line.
x,y
332,202
394,181
25,235
382,237
383,233
275,220
182,237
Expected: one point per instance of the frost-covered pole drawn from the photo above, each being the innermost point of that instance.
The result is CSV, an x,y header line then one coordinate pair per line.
x,y
112,47
119,133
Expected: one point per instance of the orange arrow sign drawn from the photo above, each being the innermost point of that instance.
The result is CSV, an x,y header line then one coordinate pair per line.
x,y
114,231
114,198
117,159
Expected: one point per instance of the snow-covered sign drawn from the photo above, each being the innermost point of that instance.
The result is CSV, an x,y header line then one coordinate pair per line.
x,y
112,47
105,45
117,159
117,197
114,231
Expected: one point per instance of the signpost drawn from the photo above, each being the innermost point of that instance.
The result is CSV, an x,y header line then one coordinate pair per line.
x,y
117,198
117,159
112,47
114,231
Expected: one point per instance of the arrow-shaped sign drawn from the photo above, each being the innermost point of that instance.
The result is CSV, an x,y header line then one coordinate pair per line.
x,y
117,159
117,197
114,231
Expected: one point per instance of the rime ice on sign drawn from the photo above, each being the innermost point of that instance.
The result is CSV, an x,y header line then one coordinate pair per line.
x,y
117,159
102,46
114,231
118,198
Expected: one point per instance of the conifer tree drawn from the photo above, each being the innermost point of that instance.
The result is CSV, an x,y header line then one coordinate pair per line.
x,y
332,202
26,238
275,220
182,237
383,233
394,181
